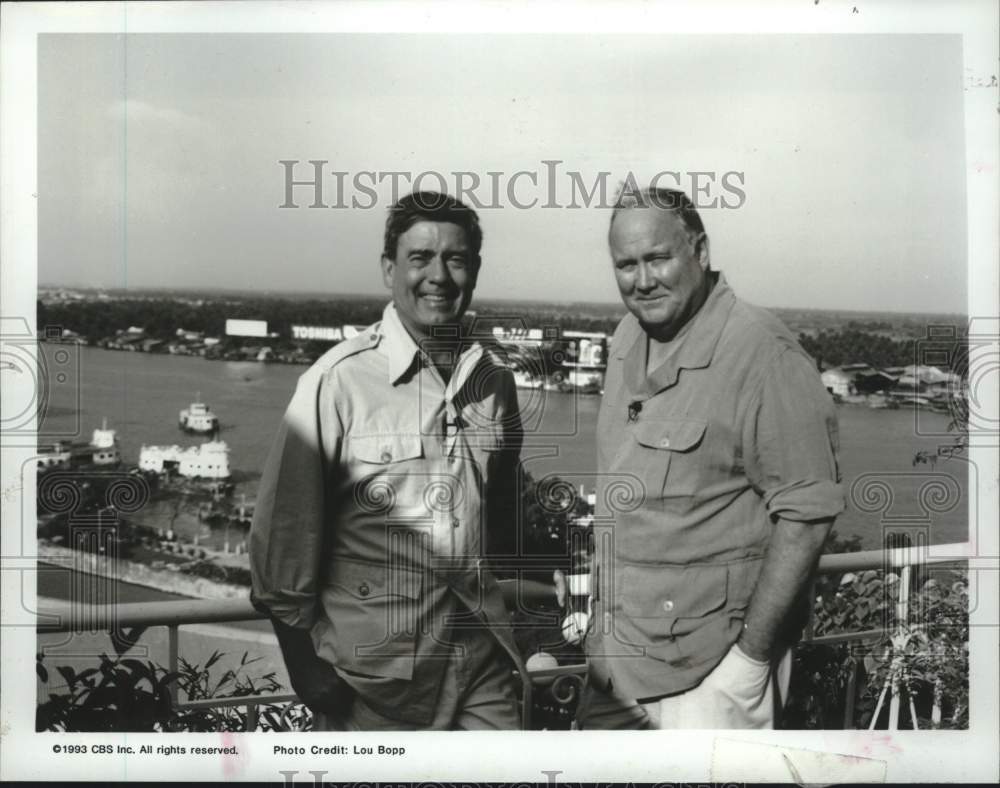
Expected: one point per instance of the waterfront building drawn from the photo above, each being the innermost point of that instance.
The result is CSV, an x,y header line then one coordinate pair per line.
x,y
210,460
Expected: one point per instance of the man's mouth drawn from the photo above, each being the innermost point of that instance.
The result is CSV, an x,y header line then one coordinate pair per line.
x,y
437,298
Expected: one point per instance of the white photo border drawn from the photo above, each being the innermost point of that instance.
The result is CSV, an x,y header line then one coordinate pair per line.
x,y
528,756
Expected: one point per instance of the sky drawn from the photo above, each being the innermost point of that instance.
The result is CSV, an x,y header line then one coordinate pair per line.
x,y
159,158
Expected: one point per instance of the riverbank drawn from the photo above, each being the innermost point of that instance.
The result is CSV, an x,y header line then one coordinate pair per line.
x,y
170,581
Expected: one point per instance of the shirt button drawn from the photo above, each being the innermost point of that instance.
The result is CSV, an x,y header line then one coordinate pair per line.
x,y
455,522
665,443
668,605
386,455
364,590
374,336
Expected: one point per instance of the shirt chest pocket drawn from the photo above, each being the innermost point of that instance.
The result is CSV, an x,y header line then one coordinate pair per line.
x,y
665,454
383,469
385,448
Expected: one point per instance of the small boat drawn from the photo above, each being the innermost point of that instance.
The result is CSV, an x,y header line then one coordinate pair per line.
x,y
102,451
198,417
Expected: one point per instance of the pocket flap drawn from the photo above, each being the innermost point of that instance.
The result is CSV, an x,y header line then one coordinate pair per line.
x,y
672,592
386,448
670,434
364,580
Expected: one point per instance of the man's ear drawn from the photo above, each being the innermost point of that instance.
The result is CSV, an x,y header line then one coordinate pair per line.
x,y
701,249
388,270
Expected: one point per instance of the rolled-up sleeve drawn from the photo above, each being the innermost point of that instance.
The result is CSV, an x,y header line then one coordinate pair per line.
x,y
791,443
288,530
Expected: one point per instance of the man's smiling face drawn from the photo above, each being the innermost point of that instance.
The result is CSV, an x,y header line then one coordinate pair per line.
x,y
432,276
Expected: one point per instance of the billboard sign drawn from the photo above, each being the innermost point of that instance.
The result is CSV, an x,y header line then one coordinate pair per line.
x,y
246,328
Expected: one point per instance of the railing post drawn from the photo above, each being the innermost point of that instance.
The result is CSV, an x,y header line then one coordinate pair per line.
x,y
852,688
173,661
894,689
810,629
252,717
903,605
527,698
898,663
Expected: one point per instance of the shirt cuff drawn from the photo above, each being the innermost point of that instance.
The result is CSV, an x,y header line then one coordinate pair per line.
x,y
292,609
806,501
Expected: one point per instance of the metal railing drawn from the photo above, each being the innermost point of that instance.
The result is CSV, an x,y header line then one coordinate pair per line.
x,y
564,681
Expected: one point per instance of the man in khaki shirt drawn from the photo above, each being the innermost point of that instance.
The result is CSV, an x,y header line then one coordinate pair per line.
x,y
718,420
391,480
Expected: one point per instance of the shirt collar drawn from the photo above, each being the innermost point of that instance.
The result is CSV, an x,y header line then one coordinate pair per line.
x,y
697,346
403,351
396,343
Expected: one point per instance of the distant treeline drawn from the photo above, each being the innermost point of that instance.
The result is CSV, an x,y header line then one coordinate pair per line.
x,y
835,348
161,317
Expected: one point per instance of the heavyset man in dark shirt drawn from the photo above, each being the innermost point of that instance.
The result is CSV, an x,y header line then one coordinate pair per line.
x,y
719,420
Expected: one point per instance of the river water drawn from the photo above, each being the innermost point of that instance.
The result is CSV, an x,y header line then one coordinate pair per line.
x,y
140,396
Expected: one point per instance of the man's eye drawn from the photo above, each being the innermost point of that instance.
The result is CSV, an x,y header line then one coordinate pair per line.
x,y
626,265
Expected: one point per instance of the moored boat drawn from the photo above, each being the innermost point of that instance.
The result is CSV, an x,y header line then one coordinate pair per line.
x,y
198,417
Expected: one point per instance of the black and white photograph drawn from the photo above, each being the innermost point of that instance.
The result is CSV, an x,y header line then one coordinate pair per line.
x,y
562,393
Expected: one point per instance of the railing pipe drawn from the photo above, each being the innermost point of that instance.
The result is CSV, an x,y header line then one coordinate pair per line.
x,y
207,611
173,658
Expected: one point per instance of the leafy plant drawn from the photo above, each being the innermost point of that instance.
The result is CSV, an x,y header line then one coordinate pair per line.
x,y
923,659
124,694
117,695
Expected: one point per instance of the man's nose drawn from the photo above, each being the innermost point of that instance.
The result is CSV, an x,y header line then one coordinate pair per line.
x,y
644,279
437,270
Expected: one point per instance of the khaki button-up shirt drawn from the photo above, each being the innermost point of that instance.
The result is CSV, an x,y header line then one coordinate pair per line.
x,y
695,462
383,491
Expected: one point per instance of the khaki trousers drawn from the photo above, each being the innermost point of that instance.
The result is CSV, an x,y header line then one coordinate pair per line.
x,y
740,693
478,693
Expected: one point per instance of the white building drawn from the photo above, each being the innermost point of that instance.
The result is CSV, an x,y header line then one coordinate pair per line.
x,y
920,377
585,377
838,382
208,461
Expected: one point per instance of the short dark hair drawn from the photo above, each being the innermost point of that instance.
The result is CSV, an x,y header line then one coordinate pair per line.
x,y
430,207
664,199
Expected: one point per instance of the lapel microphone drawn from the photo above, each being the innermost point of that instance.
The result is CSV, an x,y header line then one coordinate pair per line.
x,y
634,409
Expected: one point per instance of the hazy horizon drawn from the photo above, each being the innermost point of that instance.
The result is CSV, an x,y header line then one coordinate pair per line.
x,y
323,296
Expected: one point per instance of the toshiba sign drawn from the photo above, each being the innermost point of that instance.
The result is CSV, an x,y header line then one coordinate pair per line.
x,y
324,333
